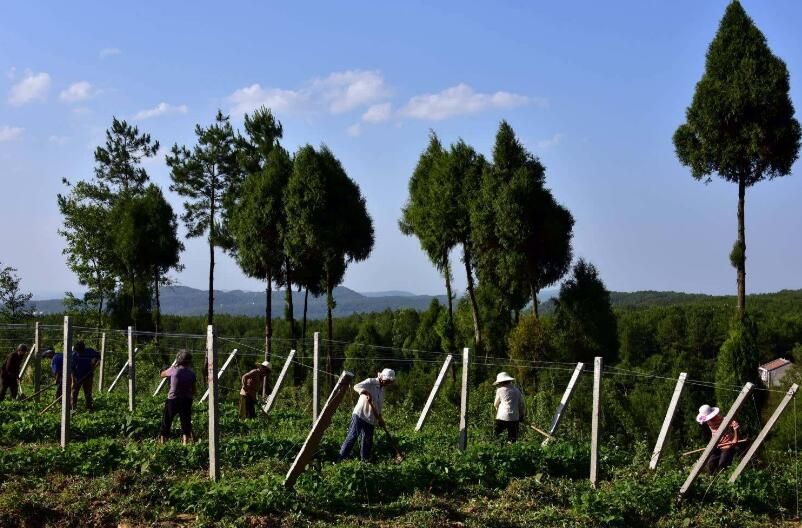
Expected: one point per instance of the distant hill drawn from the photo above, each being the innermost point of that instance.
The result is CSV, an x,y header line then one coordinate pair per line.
x,y
182,300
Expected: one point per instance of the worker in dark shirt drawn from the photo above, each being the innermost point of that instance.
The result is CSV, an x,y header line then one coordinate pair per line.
x,y
9,374
83,362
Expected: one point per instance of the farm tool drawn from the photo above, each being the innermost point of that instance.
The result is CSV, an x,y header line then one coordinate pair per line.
x,y
399,457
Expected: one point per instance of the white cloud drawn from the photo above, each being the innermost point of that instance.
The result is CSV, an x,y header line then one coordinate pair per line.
x,y
553,141
354,130
458,100
32,87
9,133
80,91
378,113
337,93
160,110
58,140
109,52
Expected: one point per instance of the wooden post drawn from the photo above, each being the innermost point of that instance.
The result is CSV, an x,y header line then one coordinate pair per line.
x,y
272,398
26,362
594,428
312,442
214,434
425,412
163,381
66,383
764,432
569,390
120,374
102,365
131,371
37,363
315,363
220,372
463,406
716,437
672,410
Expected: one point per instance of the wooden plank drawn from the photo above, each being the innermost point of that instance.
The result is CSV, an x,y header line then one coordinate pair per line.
x,y
66,383
435,389
463,406
272,398
214,433
25,363
312,442
120,374
569,391
672,410
764,432
220,372
315,377
697,467
37,364
594,428
131,371
163,382
102,365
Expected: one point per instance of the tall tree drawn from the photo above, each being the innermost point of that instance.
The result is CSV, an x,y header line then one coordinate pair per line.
x,y
740,123
258,219
208,177
14,304
118,164
328,217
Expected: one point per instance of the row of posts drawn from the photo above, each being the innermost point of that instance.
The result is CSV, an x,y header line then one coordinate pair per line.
x,y
322,418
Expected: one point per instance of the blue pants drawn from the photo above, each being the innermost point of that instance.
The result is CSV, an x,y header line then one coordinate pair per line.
x,y
358,427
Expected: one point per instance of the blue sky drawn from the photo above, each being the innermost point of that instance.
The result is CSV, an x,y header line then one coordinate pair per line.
x,y
594,89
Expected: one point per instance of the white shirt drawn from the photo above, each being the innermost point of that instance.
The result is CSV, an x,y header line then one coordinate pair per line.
x,y
362,408
509,404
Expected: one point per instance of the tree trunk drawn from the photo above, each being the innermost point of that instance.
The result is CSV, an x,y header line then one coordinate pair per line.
x,y
450,323
466,258
290,308
303,328
741,263
268,326
157,316
210,314
329,322
299,373
533,292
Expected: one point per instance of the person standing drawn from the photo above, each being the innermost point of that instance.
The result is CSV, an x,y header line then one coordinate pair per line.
x,y
56,364
251,384
723,453
179,398
366,415
84,359
9,373
509,405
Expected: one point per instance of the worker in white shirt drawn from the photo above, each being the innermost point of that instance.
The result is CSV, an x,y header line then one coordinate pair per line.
x,y
367,414
509,404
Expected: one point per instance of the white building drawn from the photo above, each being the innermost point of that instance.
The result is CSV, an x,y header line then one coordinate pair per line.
x,y
772,372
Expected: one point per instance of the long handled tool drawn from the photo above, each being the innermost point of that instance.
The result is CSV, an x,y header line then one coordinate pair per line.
x,y
51,404
703,448
26,398
399,457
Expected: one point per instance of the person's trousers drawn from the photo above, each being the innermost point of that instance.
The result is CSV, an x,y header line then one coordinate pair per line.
x,y
720,459
510,427
181,407
8,385
358,427
86,383
247,407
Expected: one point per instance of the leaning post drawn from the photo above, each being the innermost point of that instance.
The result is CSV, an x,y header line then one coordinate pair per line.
x,y
66,383
672,410
432,395
463,406
214,433
315,377
131,371
569,390
219,372
102,366
272,398
594,428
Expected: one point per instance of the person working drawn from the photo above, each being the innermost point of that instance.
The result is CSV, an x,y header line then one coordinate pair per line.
x,y
251,383
83,362
509,405
179,398
367,413
724,451
9,373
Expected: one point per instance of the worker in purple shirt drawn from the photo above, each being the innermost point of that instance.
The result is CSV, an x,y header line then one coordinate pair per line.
x,y
83,362
179,399
56,364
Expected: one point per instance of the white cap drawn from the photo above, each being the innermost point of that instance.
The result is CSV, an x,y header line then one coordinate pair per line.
x,y
706,412
387,375
501,377
265,364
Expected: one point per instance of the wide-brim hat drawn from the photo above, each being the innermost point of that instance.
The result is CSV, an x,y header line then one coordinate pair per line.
x,y
501,377
265,364
387,375
707,412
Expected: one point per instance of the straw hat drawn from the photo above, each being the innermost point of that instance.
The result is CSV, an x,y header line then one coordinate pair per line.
x,y
706,412
265,364
501,377
387,375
